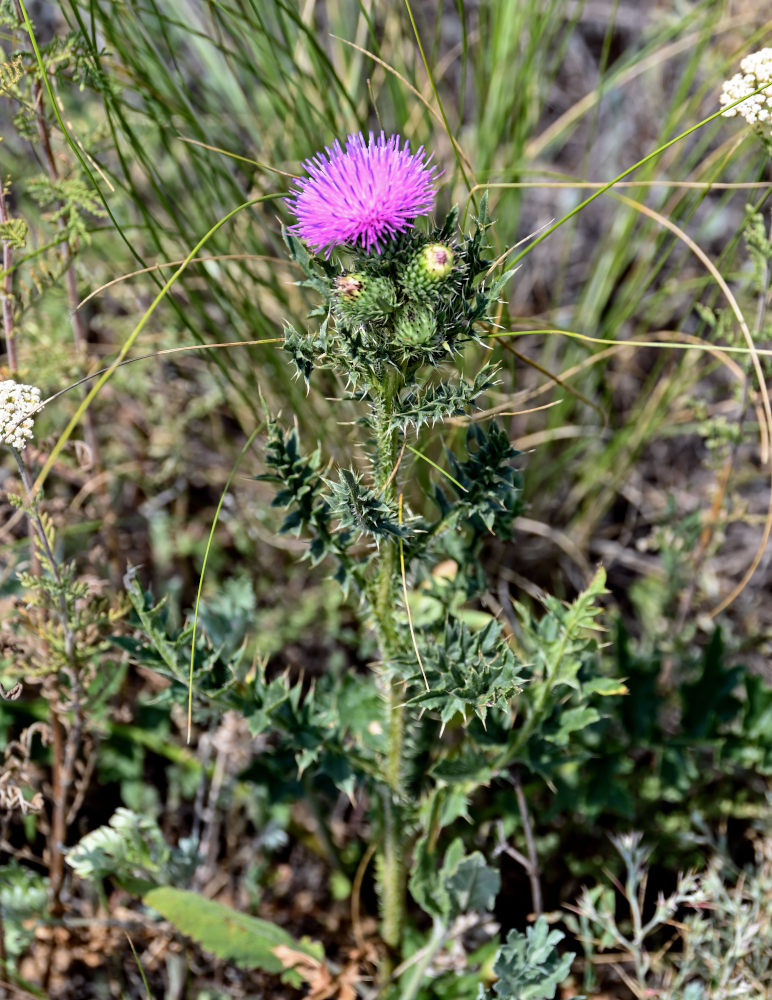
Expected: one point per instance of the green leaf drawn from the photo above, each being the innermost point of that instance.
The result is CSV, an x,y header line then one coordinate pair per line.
x,y
466,765
473,885
529,966
246,941
429,402
300,489
468,672
132,850
709,702
23,905
362,510
14,233
461,884
573,720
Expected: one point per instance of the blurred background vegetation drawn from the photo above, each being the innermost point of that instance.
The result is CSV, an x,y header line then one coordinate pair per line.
x,y
650,459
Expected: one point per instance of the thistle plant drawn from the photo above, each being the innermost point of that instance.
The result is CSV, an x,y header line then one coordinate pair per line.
x,y
396,305
448,705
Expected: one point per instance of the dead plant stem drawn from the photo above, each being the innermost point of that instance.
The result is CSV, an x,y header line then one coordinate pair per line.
x,y
7,293
532,868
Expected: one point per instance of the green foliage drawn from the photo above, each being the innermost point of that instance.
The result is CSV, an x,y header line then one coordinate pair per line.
x,y
302,489
360,510
428,402
330,725
236,937
487,487
468,672
722,933
13,232
529,966
461,883
217,668
160,75
703,740
562,649
22,902
132,850
72,204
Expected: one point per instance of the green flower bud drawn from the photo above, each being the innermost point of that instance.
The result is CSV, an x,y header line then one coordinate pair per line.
x,y
415,326
363,298
428,272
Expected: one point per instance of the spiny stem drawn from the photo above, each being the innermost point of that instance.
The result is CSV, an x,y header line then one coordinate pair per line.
x,y
392,874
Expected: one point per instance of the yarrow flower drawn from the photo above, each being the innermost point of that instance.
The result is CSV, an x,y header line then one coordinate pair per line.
x,y
756,71
369,193
18,404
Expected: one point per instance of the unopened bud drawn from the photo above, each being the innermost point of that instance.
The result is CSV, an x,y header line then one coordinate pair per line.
x,y
363,298
427,273
415,326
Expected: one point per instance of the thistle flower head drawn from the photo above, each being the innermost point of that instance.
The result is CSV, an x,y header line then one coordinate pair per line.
x,y
756,72
18,404
368,193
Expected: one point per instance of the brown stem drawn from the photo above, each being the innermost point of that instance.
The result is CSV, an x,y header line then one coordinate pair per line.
x,y
3,954
65,740
530,863
533,858
79,331
58,834
7,293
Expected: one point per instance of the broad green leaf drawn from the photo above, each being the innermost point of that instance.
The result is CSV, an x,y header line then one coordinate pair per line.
x,y
461,884
246,941
473,885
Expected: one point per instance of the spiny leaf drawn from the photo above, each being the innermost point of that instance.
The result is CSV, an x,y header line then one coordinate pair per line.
x,y
428,403
359,508
469,672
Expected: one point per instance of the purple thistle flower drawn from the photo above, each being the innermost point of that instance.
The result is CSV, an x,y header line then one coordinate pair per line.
x,y
370,192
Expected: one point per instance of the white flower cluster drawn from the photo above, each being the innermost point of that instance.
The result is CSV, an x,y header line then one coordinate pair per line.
x,y
18,403
756,71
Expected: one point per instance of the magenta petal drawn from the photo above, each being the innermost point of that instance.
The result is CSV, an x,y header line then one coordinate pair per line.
x,y
368,193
